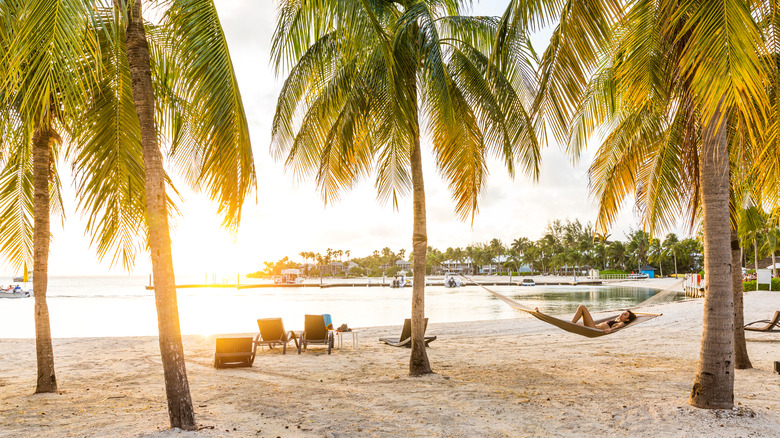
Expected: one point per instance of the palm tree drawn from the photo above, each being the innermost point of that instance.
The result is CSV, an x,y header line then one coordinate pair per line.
x,y
664,64
772,245
751,228
212,147
45,74
365,73
638,245
602,247
671,247
496,247
656,254
617,253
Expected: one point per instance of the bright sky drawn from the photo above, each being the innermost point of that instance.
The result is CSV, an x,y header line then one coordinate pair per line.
x,y
288,217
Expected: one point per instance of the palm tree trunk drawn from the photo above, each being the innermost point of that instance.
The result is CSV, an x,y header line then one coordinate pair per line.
x,y
180,410
755,253
713,386
43,136
741,359
675,264
418,363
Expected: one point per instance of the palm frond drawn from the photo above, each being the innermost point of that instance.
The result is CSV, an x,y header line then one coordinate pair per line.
x,y
218,121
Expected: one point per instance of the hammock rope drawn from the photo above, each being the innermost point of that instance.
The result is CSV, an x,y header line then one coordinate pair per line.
x,y
665,296
569,326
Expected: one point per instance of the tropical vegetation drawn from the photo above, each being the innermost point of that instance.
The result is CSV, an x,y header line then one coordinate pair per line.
x,y
565,247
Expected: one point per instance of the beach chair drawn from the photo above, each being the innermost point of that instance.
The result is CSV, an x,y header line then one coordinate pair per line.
x,y
272,333
315,331
770,324
406,336
234,352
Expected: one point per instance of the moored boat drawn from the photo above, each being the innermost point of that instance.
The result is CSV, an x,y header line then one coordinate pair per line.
x,y
15,292
450,280
289,276
400,281
528,282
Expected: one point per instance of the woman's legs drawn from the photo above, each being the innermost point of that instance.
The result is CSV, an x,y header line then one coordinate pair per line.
x,y
587,320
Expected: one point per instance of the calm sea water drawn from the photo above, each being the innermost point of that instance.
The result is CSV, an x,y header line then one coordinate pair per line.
x,y
121,306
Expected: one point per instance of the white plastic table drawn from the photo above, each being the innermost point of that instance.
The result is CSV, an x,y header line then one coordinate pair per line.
x,y
355,340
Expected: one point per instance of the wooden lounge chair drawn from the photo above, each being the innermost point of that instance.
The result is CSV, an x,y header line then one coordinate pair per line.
x,y
406,336
770,324
234,352
315,332
272,333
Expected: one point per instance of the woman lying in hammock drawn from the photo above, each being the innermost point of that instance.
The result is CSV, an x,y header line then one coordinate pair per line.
x,y
607,326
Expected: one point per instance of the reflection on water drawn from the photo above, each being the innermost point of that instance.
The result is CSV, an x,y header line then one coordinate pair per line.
x,y
120,306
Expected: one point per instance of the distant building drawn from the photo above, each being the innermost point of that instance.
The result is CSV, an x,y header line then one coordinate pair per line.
x,y
648,270
403,265
494,266
465,266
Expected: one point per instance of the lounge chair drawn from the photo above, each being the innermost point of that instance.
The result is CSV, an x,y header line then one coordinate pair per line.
x,y
315,332
272,333
234,352
770,324
406,336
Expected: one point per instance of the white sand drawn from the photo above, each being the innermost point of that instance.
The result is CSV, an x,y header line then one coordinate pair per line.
x,y
517,377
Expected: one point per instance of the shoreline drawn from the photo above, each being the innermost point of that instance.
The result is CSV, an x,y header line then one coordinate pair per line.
x,y
494,378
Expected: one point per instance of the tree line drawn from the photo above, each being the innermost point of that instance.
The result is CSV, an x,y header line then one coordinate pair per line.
x,y
564,247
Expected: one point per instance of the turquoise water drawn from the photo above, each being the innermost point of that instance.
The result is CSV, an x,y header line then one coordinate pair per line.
x,y
120,306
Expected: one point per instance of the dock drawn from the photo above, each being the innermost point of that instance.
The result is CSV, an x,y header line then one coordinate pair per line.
x,y
693,286
386,284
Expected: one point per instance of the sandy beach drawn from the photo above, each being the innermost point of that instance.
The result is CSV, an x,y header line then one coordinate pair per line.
x,y
505,378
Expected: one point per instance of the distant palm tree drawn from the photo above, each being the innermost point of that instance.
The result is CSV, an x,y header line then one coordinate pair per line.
x,y
656,254
751,228
772,245
365,74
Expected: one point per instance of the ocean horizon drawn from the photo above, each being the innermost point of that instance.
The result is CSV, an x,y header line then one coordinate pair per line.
x,y
100,306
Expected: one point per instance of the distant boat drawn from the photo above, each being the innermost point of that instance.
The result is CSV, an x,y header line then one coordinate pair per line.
x,y
15,292
528,282
289,276
451,280
400,282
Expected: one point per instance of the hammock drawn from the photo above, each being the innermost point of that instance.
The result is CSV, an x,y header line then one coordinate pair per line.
x,y
569,326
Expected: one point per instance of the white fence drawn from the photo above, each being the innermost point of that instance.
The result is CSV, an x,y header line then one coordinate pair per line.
x,y
693,286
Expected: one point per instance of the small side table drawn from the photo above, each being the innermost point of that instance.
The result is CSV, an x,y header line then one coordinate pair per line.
x,y
355,339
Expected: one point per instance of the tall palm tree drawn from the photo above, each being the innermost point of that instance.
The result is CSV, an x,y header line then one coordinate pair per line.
x,y
692,67
364,74
213,150
44,77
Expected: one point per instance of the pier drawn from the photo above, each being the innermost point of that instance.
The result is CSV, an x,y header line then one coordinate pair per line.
x,y
693,286
384,284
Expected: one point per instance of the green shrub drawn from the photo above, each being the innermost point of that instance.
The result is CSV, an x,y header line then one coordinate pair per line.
x,y
751,285
613,272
